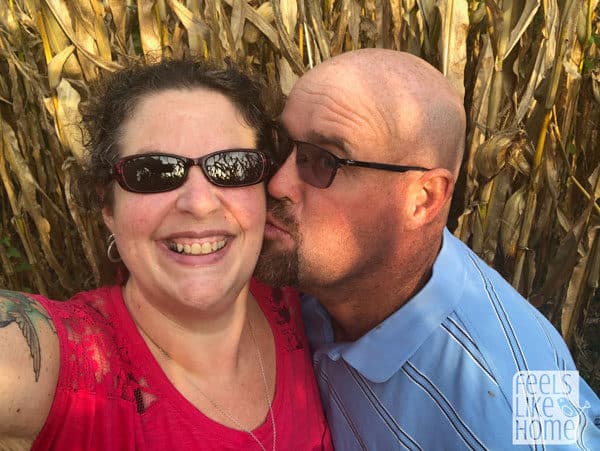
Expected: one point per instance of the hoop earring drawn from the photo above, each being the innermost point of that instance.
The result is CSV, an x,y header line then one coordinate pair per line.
x,y
113,252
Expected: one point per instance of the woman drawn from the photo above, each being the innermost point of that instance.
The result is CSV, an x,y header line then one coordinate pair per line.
x,y
187,353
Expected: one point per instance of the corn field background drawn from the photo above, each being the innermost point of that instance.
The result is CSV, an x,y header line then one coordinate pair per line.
x,y
529,70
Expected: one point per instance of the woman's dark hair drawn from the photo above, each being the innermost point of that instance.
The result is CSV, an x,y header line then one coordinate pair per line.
x,y
113,100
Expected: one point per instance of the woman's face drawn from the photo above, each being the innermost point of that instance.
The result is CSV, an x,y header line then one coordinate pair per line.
x,y
220,229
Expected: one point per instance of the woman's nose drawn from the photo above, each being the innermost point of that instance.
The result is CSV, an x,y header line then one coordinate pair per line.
x,y
197,195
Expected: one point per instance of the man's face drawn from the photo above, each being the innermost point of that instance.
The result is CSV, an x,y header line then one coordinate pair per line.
x,y
320,238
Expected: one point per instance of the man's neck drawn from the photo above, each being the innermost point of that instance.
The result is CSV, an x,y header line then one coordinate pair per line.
x,y
358,306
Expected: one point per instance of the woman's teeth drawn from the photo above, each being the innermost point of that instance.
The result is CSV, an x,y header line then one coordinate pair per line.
x,y
197,248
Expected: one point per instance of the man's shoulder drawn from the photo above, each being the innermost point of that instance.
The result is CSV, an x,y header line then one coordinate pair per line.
x,y
509,333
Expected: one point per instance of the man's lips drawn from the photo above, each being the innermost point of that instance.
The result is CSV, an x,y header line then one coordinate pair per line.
x,y
271,222
276,231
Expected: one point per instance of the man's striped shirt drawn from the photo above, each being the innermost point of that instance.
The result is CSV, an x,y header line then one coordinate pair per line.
x,y
438,373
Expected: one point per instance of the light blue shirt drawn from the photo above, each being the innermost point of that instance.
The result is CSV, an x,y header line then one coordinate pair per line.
x,y
438,373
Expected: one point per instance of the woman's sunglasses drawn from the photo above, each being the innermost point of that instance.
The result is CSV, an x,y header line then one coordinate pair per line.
x,y
318,167
160,172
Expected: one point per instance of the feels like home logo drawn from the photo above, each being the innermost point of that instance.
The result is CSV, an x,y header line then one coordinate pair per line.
x,y
545,407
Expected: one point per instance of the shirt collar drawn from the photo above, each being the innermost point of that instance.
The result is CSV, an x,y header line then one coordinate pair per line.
x,y
382,351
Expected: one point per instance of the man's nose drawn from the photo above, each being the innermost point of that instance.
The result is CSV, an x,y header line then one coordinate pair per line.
x,y
285,183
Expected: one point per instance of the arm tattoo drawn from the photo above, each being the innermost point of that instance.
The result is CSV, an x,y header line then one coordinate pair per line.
x,y
18,308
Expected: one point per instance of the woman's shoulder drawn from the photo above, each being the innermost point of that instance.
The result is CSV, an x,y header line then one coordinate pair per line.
x,y
29,364
99,301
53,349
93,344
87,316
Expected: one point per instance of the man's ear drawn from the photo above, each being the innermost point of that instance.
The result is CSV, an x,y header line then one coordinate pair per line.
x,y
431,195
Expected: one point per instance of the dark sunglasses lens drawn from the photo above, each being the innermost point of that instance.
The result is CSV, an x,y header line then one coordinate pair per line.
x,y
315,166
235,168
153,173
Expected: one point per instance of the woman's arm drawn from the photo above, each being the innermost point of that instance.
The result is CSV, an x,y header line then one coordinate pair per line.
x,y
29,364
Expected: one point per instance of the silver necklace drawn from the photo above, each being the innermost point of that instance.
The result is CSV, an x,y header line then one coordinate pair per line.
x,y
220,409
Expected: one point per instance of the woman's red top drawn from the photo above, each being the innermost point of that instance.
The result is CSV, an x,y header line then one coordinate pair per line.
x,y
113,395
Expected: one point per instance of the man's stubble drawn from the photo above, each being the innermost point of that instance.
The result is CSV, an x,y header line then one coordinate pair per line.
x,y
275,266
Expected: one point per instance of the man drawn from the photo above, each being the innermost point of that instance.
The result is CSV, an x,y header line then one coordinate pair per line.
x,y
417,343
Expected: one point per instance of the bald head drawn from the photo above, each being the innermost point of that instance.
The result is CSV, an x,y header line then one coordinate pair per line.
x,y
404,97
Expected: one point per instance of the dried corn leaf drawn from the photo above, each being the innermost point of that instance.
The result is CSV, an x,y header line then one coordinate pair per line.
x,y
251,32
15,93
314,19
527,101
288,48
260,23
595,75
149,31
512,217
70,33
53,15
525,232
68,118
452,46
289,15
463,228
528,12
551,175
238,19
354,21
56,65
29,202
7,182
192,23
101,33
583,281
478,219
161,11
550,30
544,221
7,266
342,26
8,19
563,220
396,13
85,33
225,32
118,10
87,241
499,191
564,261
479,107
287,77
31,252
594,180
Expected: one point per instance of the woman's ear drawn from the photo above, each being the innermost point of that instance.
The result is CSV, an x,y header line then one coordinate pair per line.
x,y
431,196
107,216
106,200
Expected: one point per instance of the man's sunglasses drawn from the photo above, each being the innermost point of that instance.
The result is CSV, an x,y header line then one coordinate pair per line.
x,y
317,166
160,172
